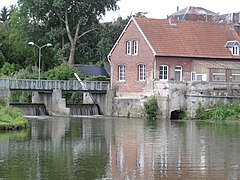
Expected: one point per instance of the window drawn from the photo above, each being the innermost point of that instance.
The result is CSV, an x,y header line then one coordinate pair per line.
x,y
235,77
163,72
219,77
233,47
121,72
235,50
198,77
142,72
135,47
178,73
201,77
128,48
193,76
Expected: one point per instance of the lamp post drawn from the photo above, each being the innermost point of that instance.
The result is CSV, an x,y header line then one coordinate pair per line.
x,y
39,55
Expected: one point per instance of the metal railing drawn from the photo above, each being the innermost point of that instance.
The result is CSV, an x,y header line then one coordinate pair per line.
x,y
32,84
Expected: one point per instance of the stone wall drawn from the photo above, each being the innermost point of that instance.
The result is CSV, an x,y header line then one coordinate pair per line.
x,y
172,96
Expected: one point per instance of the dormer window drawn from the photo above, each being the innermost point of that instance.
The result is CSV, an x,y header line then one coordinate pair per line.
x,y
233,47
235,50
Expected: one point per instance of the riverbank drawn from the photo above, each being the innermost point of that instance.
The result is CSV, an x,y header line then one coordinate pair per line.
x,y
11,119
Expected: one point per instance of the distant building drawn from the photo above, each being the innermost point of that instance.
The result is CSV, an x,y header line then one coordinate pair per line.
x,y
192,13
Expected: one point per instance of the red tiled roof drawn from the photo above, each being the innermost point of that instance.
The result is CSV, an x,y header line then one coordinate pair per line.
x,y
188,38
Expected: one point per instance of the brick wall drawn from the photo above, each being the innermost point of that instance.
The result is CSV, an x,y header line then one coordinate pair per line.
x,y
145,56
131,62
172,62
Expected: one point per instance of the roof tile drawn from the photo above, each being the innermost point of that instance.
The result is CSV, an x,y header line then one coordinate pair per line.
x,y
188,38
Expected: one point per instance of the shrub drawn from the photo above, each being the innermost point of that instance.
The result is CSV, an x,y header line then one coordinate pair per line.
x,y
2,102
62,72
11,119
219,112
97,78
201,112
151,107
7,69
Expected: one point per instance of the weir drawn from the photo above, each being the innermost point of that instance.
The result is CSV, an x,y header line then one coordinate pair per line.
x,y
39,109
84,109
49,94
29,109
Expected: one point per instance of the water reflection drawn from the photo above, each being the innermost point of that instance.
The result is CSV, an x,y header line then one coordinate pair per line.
x,y
106,148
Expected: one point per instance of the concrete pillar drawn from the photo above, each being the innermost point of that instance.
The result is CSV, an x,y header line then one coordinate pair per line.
x,y
5,95
37,97
88,98
54,103
59,104
105,102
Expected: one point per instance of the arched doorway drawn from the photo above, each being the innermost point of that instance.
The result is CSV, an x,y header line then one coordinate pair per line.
x,y
177,114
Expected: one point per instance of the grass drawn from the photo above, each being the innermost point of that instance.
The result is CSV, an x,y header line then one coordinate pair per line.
x,y
11,119
220,112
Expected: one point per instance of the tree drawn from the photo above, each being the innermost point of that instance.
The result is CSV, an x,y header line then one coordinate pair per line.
x,y
77,17
4,14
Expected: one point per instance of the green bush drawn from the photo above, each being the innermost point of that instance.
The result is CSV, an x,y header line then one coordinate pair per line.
x,y
183,115
2,102
7,70
23,97
219,112
27,73
11,119
151,107
201,112
63,72
97,78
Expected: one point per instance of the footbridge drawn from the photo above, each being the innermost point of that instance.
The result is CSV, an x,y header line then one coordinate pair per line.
x,y
49,92
50,85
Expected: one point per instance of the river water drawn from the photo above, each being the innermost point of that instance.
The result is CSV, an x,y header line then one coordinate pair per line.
x,y
120,148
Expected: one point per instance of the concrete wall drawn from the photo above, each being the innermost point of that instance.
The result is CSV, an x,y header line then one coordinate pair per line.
x,y
55,104
105,101
5,95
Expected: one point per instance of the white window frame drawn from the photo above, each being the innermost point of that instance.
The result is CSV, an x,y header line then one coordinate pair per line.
x,y
165,72
121,72
235,50
235,75
219,74
142,72
204,77
193,76
135,47
128,47
179,70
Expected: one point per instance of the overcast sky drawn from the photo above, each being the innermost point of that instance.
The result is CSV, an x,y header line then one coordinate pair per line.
x,y
161,8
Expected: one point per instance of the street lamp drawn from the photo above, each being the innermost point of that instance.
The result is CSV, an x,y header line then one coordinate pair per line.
x,y
39,55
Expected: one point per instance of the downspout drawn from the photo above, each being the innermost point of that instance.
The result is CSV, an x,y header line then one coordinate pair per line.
x,y
111,71
154,71
154,68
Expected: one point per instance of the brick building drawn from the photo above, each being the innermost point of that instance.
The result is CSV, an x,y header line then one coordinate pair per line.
x,y
161,50
182,63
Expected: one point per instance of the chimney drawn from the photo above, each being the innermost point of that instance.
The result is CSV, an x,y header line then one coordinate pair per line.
x,y
177,8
